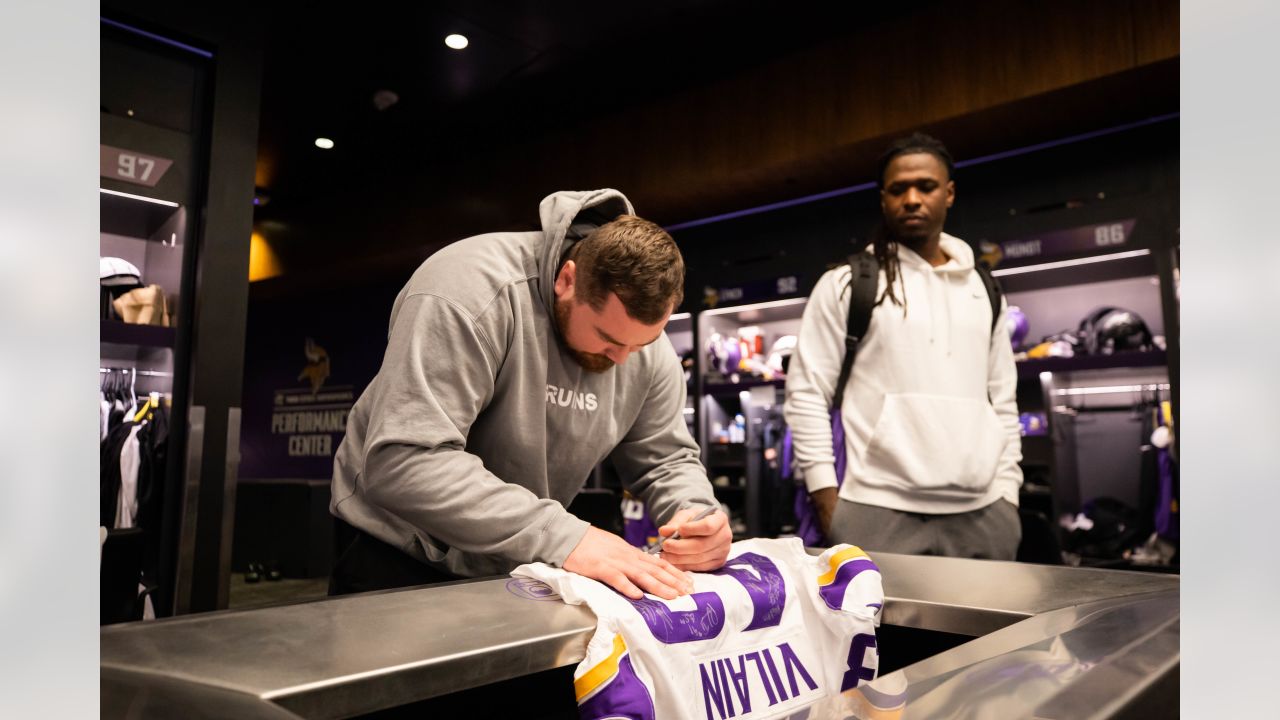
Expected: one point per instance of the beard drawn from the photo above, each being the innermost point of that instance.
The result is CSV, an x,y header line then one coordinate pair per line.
x,y
914,238
591,362
900,232
910,235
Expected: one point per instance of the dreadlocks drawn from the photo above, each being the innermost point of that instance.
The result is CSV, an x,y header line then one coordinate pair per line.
x,y
883,241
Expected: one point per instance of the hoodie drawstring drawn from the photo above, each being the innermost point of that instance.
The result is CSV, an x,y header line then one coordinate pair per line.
x,y
946,292
943,279
934,278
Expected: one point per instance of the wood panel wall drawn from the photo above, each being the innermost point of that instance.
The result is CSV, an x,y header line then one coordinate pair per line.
x,y
984,75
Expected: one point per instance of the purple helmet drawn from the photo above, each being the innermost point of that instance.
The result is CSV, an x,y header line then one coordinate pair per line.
x,y
1018,325
732,355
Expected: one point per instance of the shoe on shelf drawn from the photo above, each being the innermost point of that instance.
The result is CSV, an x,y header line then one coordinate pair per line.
x,y
253,574
274,573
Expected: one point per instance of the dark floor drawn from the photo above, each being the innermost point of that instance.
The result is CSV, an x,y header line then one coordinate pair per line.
x,y
279,592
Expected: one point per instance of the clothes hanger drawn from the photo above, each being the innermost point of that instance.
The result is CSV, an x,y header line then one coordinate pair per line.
x,y
1139,405
151,405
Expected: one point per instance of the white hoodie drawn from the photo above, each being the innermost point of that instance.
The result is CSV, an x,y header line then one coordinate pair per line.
x,y
930,416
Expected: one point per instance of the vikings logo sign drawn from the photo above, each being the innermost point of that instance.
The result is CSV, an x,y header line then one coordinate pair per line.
x,y
317,368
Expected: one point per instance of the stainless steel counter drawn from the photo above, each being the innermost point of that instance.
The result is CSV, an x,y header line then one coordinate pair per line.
x,y
346,656
1115,658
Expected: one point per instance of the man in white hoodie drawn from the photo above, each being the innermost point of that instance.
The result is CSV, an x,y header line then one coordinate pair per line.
x,y
930,422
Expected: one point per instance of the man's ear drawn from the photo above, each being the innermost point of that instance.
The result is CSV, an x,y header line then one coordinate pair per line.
x,y
566,279
951,192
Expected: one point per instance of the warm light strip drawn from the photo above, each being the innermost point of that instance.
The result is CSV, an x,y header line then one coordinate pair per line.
x,y
138,197
1106,389
1069,263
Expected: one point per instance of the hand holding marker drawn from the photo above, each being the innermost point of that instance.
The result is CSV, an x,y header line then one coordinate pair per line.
x,y
657,548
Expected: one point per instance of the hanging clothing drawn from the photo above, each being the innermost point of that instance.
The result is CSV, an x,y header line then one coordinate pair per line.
x,y
109,470
148,610
1167,510
1158,484
104,416
1148,476
133,465
153,444
127,497
131,462
1167,524
153,453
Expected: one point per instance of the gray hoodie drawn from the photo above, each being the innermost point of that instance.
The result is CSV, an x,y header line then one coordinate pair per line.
x,y
480,427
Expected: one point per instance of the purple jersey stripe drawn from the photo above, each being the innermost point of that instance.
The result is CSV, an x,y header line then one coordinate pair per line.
x,y
833,594
624,697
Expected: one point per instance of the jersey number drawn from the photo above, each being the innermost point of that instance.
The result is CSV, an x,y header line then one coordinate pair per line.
x,y
765,587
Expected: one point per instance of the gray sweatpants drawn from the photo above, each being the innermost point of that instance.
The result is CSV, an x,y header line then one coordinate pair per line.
x,y
992,532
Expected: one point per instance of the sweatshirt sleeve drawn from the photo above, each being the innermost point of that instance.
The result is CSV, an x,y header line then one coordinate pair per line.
x,y
814,370
657,459
416,462
1002,388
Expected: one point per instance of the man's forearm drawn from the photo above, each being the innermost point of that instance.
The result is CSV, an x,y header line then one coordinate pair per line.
x,y
666,491
824,501
449,495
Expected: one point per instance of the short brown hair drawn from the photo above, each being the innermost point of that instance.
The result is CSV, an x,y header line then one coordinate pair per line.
x,y
635,259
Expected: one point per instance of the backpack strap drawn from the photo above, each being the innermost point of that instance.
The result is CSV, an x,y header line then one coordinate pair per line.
x,y
864,280
994,293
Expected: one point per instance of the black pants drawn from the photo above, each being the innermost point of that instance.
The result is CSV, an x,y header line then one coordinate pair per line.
x,y
370,564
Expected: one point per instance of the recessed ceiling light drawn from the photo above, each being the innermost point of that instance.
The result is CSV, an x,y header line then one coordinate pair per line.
x,y
324,143
455,41
384,99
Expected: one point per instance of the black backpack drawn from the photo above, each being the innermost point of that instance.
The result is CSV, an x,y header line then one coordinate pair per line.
x,y
863,283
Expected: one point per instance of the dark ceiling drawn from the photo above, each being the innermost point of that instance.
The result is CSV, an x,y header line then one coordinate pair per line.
x,y
693,107
530,66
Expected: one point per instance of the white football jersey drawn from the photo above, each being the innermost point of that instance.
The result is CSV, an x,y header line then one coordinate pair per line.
x,y
773,631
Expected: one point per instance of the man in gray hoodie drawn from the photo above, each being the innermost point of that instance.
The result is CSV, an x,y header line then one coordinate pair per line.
x,y
515,363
